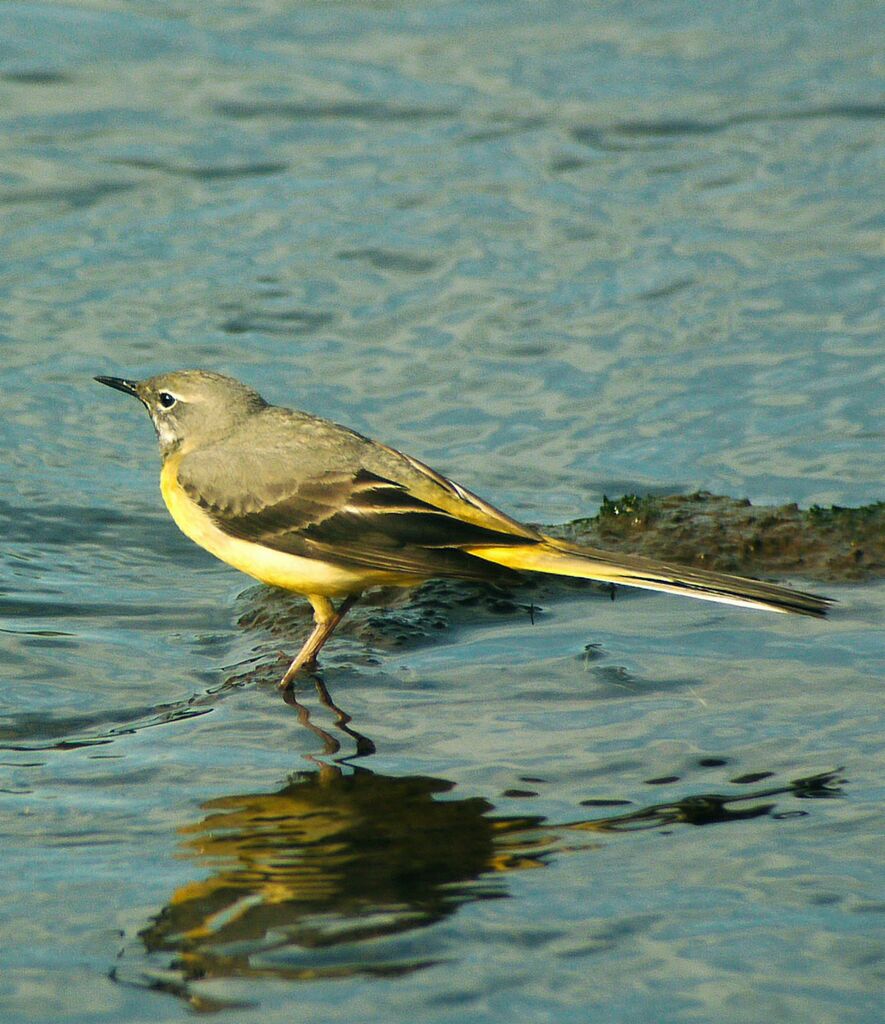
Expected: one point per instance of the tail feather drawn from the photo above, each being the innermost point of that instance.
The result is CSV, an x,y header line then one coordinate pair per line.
x,y
564,559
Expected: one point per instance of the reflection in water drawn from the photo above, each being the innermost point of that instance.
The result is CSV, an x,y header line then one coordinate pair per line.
x,y
364,746
296,882
333,857
299,879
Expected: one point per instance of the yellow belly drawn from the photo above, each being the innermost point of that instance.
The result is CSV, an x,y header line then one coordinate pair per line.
x,y
276,568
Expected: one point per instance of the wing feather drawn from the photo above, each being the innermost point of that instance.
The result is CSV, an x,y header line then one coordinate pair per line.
x,y
322,501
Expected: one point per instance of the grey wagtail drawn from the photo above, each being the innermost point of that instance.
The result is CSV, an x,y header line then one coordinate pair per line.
x,y
302,503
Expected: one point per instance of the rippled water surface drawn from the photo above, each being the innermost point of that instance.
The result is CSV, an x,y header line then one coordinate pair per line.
x,y
558,251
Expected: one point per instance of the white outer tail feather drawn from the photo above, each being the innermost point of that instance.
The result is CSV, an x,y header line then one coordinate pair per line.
x,y
563,559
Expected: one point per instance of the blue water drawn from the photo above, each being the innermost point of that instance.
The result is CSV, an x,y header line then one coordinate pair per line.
x,y
557,251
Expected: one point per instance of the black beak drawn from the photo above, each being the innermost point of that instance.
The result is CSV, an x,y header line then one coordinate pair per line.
x,y
128,386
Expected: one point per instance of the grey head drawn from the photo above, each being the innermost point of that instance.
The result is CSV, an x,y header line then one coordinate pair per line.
x,y
191,408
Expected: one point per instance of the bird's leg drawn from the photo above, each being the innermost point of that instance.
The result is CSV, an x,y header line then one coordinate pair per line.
x,y
326,617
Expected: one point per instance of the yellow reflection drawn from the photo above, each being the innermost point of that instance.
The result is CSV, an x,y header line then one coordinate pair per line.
x,y
332,859
296,882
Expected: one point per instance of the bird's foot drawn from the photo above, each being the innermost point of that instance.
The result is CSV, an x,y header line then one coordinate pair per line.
x,y
299,665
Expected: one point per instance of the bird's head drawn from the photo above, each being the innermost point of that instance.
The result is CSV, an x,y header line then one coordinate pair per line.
x,y
191,408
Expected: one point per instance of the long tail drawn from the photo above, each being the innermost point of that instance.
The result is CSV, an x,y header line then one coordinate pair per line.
x,y
564,559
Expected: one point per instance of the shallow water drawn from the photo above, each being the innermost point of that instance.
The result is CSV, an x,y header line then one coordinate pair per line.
x,y
557,253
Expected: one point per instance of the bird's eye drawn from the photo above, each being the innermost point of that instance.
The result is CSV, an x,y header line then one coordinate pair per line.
x,y
166,400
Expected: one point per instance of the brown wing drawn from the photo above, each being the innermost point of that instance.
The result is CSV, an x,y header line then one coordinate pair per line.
x,y
313,496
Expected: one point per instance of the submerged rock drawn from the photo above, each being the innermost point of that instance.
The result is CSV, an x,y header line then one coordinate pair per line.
x,y
730,535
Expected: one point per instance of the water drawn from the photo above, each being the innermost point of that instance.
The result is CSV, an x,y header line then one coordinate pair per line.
x,y
558,252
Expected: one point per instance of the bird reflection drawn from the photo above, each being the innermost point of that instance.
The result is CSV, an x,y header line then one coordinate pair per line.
x,y
294,883
300,878
331,746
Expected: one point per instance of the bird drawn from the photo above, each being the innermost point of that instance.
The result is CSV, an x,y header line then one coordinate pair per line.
x,y
300,502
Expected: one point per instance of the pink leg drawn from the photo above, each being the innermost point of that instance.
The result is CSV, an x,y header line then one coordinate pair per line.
x,y
326,618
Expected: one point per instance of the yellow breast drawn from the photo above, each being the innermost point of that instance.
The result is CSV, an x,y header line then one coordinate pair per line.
x,y
276,568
